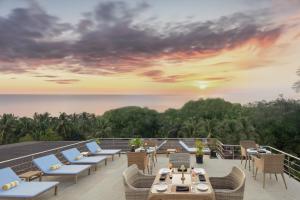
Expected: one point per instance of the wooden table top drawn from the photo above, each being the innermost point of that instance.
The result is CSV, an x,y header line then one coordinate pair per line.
x,y
30,174
171,192
171,150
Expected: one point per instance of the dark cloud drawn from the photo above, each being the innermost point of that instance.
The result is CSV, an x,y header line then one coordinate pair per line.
x,y
28,34
63,81
112,39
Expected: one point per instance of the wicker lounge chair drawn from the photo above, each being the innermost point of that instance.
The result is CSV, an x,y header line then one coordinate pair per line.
x,y
137,185
138,158
270,163
178,159
25,190
230,187
246,144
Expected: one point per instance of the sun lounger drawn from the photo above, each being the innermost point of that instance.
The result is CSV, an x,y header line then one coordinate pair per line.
x,y
45,163
73,156
95,149
206,150
24,190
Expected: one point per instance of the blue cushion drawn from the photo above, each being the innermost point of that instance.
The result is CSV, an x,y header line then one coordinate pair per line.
x,y
7,175
71,154
28,189
90,160
68,170
24,189
92,147
44,163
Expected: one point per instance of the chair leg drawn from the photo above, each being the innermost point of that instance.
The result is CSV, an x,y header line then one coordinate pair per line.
x,y
246,163
55,190
276,177
249,164
264,181
242,158
283,180
255,173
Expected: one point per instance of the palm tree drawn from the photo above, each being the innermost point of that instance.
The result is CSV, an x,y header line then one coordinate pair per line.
x,y
7,127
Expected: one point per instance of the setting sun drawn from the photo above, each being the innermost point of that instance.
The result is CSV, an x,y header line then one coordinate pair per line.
x,y
202,85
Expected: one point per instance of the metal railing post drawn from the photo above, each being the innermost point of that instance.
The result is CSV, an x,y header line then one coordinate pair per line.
x,y
289,167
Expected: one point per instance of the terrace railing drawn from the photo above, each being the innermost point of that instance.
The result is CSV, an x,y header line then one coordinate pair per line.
x,y
24,163
291,163
225,151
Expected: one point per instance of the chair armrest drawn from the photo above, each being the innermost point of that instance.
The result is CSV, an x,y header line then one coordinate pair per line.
x,y
147,180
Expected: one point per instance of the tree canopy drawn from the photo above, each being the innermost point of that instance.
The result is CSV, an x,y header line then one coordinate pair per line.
x,y
275,123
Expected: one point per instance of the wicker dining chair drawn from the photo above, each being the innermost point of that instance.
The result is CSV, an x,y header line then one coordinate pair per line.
x,y
136,184
140,159
230,187
246,144
271,164
178,159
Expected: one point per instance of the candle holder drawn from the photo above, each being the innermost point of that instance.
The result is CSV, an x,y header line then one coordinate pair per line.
x,y
182,168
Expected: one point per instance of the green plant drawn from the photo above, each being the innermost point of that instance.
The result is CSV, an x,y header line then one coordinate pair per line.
x,y
136,142
199,147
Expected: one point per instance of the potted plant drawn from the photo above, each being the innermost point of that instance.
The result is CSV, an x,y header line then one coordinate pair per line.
x,y
135,143
199,151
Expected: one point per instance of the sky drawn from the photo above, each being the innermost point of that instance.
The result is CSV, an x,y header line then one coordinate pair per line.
x,y
240,50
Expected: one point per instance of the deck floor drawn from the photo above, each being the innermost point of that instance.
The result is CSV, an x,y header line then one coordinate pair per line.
x,y
107,183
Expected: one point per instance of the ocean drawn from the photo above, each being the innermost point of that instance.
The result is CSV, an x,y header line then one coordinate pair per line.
x,y
27,105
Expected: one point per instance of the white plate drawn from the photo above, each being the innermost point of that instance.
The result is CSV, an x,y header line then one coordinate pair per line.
x,y
164,171
161,188
199,171
202,187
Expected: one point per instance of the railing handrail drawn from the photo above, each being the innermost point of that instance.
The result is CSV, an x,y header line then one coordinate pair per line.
x,y
46,151
287,154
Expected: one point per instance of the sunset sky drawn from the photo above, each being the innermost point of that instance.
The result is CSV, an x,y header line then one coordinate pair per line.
x,y
240,50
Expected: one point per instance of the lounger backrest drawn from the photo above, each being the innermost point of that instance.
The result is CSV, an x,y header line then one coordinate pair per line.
x,y
7,175
184,145
92,147
71,154
44,163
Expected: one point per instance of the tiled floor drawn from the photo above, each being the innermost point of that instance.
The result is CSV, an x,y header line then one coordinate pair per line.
x,y
107,183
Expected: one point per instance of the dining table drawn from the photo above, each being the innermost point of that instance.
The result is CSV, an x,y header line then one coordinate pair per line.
x,y
172,182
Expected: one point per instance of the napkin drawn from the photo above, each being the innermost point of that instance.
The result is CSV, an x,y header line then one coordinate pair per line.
x,y
202,178
181,170
182,188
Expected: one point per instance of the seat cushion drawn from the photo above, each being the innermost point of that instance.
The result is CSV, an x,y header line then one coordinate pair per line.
x,y
28,189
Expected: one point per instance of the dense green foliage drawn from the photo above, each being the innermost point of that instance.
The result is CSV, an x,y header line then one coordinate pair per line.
x,y
275,123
